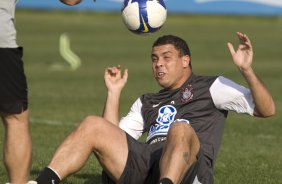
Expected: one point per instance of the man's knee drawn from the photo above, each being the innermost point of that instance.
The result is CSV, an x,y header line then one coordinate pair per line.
x,y
183,134
90,120
91,124
181,129
16,119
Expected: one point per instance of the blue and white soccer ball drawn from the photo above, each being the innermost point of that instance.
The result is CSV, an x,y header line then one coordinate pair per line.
x,y
143,16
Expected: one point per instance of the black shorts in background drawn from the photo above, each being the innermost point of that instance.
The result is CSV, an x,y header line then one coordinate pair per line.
x,y
142,166
13,85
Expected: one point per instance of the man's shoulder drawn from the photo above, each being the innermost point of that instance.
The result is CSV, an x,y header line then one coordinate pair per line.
x,y
157,97
204,79
147,96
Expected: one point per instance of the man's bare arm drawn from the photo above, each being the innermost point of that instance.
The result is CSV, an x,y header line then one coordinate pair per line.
x,y
243,58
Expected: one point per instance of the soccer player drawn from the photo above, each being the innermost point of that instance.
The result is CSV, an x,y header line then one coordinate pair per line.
x,y
184,121
13,99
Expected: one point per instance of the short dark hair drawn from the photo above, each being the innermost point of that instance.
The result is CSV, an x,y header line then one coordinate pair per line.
x,y
177,42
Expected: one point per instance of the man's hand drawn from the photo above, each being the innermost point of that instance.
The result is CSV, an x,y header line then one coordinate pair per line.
x,y
243,57
114,80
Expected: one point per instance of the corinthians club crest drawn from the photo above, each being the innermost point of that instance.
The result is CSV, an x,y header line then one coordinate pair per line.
x,y
187,94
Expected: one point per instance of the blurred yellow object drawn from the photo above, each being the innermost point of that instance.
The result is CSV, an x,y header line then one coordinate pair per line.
x,y
67,54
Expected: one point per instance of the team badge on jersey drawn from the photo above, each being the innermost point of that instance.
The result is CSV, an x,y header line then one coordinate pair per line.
x,y
187,94
166,115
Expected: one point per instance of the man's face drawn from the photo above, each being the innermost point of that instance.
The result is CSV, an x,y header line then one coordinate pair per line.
x,y
170,69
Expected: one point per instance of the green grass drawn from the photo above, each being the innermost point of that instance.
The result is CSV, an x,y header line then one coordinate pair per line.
x,y
59,99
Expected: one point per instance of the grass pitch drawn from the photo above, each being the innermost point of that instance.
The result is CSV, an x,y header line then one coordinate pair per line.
x,y
61,98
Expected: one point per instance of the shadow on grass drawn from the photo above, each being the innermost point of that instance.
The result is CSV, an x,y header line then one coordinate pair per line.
x,y
88,178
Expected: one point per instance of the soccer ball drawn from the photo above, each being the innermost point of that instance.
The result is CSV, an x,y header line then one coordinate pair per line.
x,y
143,16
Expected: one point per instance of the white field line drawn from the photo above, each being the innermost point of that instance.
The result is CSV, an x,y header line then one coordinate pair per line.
x,y
47,122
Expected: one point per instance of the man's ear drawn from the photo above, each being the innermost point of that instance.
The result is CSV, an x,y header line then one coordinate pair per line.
x,y
185,61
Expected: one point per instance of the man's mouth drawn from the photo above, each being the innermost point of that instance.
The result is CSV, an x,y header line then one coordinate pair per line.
x,y
160,74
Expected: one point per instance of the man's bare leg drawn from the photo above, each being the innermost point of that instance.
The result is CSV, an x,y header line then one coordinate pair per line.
x,y
179,153
97,135
17,147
